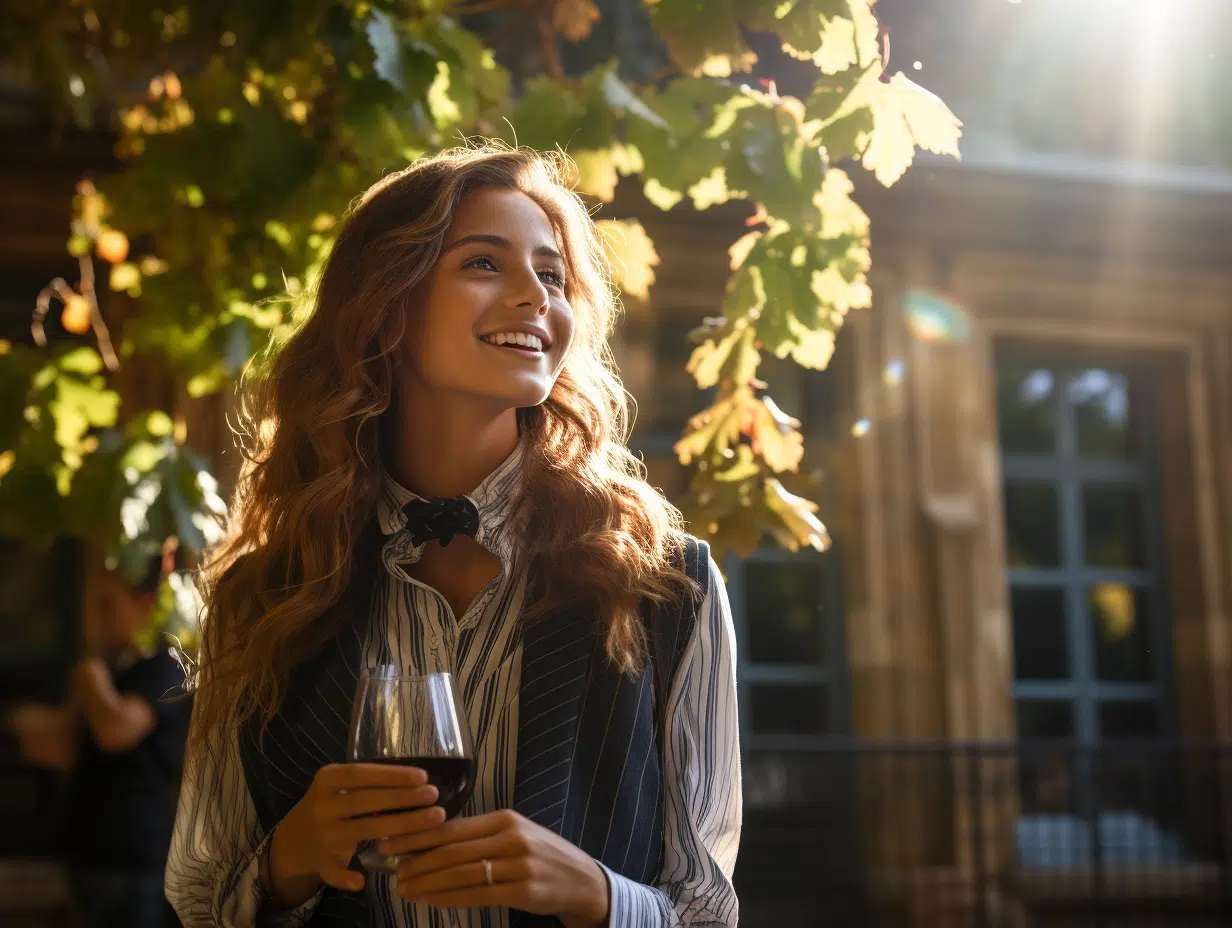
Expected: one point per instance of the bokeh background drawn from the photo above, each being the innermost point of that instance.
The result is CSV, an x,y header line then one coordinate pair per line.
x,y
1001,696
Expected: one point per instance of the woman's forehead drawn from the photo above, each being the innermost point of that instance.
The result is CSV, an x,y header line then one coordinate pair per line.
x,y
505,213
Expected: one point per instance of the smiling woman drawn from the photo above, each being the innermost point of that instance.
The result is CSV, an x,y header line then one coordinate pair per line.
x,y
437,482
500,281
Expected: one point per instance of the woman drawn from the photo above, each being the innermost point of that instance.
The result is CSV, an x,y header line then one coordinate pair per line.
x,y
437,480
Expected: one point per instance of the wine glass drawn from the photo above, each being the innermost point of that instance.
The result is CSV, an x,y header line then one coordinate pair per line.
x,y
412,721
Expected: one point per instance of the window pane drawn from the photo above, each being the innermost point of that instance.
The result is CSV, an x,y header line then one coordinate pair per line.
x,y
785,606
1026,408
1121,630
1112,524
1104,417
1045,718
1033,535
1040,651
783,709
1128,719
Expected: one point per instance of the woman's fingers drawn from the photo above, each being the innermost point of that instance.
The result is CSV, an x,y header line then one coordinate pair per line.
x,y
379,799
459,829
466,876
342,878
360,776
377,827
445,856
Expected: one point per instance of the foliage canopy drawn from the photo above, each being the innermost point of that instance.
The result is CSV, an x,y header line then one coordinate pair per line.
x,y
246,128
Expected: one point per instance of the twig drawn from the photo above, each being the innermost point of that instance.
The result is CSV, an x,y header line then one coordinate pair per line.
x,y
101,332
59,288
42,306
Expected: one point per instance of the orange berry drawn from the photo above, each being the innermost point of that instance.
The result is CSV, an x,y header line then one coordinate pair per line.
x,y
112,246
76,315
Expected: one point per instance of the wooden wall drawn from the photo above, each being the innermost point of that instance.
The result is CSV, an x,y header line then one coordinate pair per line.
x,y
1059,263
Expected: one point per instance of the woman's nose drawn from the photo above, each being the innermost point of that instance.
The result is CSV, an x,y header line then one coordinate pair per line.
x,y
532,292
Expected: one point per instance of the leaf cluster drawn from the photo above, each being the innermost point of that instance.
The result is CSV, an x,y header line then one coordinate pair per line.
x,y
244,141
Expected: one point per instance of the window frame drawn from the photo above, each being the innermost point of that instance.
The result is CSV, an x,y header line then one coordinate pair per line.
x,y
1068,472
831,674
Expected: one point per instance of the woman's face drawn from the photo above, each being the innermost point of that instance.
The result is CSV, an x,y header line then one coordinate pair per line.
x,y
493,323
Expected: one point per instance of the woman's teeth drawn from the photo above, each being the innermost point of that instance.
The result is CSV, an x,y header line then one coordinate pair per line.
x,y
520,339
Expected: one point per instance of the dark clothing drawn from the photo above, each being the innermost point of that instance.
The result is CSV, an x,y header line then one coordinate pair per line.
x,y
121,807
589,742
119,898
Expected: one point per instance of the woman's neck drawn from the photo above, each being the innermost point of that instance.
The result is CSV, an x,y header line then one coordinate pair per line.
x,y
447,449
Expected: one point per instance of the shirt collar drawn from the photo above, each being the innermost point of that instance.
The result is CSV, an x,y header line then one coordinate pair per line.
x,y
494,498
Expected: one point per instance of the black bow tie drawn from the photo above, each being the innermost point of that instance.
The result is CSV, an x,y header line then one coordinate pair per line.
x,y
441,518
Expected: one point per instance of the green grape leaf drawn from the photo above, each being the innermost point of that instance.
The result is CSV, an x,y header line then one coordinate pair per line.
x,y
907,116
631,255
734,353
831,92
848,136
775,436
743,467
704,36
840,214
143,456
809,347
802,24
847,40
713,429
800,527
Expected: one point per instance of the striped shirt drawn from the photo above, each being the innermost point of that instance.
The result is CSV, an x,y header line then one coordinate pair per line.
x,y
214,875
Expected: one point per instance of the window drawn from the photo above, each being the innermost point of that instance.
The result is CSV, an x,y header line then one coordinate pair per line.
x,y
786,605
787,610
1082,545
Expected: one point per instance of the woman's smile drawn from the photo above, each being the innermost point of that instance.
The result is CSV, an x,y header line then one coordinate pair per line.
x,y
525,340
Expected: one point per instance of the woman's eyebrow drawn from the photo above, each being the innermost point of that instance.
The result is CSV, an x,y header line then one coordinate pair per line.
x,y
541,251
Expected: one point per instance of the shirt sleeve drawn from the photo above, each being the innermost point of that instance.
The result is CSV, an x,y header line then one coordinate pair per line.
x,y
701,778
214,875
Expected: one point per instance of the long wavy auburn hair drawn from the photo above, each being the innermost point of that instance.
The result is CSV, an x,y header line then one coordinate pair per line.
x,y
315,420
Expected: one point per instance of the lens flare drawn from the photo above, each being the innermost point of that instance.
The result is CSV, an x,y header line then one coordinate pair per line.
x,y
932,318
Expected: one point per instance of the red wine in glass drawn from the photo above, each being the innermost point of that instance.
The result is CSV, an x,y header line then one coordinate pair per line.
x,y
453,777
412,721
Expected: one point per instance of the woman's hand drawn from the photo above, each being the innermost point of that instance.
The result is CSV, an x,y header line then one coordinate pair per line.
x,y
532,868
319,836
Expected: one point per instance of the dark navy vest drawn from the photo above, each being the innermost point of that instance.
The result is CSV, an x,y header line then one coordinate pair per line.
x,y
589,737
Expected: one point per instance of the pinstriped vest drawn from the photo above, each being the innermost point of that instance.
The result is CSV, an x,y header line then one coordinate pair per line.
x,y
589,739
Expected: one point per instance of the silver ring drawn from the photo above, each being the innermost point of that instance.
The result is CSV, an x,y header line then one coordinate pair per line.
x,y
487,870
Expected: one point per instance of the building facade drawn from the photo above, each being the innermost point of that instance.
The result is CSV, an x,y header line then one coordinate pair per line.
x,y
1025,459
1002,697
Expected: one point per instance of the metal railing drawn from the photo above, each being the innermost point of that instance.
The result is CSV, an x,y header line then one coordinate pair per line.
x,y
987,835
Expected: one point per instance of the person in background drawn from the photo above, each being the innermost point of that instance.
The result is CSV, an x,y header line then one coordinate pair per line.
x,y
120,737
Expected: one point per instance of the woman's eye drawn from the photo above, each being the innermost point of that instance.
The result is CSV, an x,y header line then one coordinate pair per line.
x,y
483,262
552,277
